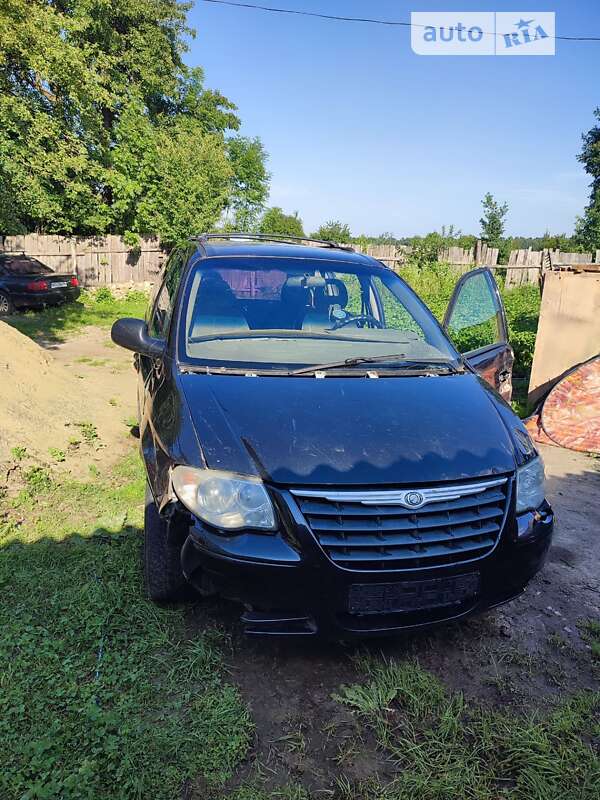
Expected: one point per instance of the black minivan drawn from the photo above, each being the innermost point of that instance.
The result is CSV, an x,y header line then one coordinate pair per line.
x,y
321,450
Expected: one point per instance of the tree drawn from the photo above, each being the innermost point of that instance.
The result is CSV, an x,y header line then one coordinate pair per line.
x,y
492,222
333,231
587,229
98,111
249,182
274,221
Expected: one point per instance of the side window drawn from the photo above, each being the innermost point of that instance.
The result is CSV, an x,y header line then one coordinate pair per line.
x,y
163,305
475,318
161,316
397,316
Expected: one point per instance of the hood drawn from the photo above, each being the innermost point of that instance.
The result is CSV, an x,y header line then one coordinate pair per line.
x,y
349,431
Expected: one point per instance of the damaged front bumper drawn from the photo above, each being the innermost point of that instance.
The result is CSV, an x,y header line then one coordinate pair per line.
x,y
288,585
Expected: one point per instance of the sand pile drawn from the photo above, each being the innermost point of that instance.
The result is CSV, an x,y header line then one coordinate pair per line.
x,y
41,402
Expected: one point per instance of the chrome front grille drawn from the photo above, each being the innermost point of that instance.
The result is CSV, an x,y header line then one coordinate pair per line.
x,y
409,528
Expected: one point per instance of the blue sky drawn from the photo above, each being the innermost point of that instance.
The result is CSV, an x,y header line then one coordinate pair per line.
x,y
359,128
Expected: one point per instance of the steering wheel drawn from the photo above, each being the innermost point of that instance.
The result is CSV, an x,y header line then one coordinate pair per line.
x,y
359,318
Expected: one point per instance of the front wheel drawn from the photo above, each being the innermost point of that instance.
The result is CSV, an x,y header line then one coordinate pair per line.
x,y
6,306
163,539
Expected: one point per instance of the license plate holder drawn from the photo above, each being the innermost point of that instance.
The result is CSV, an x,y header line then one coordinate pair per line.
x,y
59,284
407,596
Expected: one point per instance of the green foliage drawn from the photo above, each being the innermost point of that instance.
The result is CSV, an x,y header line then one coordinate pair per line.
x,y
104,695
522,307
550,241
443,748
493,220
103,128
250,181
89,432
590,633
276,222
57,454
588,226
18,453
103,295
333,231
37,479
425,249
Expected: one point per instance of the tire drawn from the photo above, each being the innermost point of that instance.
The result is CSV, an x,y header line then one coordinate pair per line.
x,y
163,576
6,306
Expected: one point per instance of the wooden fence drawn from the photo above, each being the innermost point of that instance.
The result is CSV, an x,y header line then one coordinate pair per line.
x,y
97,261
107,260
395,255
528,266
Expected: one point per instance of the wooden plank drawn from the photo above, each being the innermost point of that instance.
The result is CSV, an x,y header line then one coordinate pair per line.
x,y
569,327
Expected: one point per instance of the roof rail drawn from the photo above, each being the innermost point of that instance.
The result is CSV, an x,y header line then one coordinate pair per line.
x,y
267,237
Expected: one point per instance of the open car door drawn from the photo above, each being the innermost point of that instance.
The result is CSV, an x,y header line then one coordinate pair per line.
x,y
476,323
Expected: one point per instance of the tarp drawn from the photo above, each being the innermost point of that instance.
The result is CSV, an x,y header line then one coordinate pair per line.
x,y
570,414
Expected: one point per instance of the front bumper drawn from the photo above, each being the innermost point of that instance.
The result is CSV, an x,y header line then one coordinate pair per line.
x,y
289,586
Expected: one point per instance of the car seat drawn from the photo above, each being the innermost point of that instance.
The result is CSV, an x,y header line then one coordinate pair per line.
x,y
215,308
329,301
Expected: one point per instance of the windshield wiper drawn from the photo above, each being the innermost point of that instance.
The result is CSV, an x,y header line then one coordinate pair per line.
x,y
404,363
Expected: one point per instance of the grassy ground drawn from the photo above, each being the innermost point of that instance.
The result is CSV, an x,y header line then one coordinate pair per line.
x,y
444,747
103,695
94,307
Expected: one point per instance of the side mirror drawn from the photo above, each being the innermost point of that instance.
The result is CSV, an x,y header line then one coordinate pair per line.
x,y
132,334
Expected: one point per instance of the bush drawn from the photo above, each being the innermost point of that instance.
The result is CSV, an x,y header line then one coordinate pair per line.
x,y
136,296
103,295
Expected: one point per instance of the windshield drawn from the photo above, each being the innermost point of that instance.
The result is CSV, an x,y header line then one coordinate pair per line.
x,y
287,313
23,265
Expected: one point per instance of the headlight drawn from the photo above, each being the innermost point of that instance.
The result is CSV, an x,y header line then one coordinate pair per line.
x,y
530,485
224,500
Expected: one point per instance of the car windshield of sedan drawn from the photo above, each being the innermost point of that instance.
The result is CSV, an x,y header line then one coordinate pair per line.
x,y
307,312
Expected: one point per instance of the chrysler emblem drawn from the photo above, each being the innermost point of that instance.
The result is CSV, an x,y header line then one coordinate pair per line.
x,y
414,499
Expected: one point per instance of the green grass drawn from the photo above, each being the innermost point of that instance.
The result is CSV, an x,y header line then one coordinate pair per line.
x,y
444,748
94,307
590,633
102,693
92,362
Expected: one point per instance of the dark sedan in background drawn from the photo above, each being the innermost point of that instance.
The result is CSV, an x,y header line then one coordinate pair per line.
x,y
27,283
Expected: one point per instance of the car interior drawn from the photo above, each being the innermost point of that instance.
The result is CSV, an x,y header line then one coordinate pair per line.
x,y
294,302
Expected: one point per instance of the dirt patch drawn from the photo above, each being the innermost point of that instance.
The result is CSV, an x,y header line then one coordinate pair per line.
x,y
302,734
62,405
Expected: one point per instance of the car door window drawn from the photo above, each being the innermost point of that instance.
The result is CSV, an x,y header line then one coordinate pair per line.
x,y
161,316
475,319
162,306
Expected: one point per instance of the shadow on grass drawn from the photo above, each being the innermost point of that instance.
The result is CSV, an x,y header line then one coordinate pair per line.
x,y
103,693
